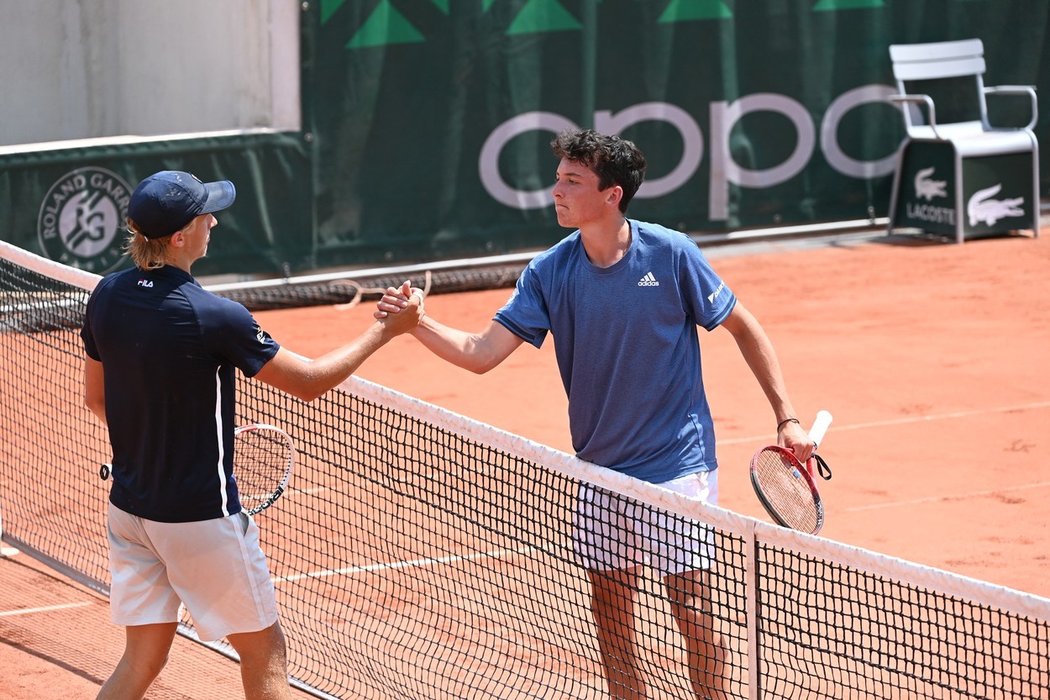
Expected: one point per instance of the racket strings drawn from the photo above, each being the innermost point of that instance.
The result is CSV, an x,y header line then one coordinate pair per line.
x,y
786,490
261,460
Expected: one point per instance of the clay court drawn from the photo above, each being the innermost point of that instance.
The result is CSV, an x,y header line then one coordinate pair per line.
x,y
931,356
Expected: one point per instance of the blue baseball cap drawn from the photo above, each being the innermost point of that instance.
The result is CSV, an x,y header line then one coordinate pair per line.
x,y
168,201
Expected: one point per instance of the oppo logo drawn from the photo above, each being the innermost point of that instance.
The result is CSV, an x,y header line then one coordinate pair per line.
x,y
723,169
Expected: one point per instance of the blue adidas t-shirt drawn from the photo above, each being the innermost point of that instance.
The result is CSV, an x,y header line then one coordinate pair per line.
x,y
169,351
627,348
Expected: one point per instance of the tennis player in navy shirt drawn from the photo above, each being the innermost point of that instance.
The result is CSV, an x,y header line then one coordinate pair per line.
x,y
161,360
623,300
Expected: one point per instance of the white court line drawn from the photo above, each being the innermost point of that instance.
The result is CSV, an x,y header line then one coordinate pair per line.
x,y
49,608
309,492
741,440
403,564
290,492
910,420
944,498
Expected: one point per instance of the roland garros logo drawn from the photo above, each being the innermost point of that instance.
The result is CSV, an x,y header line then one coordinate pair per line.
x,y
81,219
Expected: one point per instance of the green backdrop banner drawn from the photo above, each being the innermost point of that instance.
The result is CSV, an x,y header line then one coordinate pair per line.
x,y
426,126
433,117
70,204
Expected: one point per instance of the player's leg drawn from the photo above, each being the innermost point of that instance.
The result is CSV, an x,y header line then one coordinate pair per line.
x,y
264,663
690,597
142,601
605,546
612,605
228,592
685,553
145,653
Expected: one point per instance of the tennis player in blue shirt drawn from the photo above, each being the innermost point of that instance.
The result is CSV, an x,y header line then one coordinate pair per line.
x,y
623,300
162,354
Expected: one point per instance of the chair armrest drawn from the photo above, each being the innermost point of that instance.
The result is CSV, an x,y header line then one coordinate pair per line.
x,y
921,100
1018,90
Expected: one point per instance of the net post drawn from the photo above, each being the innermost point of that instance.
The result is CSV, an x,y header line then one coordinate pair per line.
x,y
754,680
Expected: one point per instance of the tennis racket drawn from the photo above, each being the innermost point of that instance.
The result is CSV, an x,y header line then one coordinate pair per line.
x,y
263,458
785,486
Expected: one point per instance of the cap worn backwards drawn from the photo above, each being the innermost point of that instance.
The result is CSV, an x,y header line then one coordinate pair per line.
x,y
168,201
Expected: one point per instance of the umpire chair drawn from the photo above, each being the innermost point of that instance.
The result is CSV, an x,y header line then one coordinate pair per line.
x,y
956,173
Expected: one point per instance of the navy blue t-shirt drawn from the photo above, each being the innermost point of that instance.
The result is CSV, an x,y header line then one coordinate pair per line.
x,y
169,351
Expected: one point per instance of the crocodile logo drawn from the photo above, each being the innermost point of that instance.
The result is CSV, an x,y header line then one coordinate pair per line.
x,y
982,207
927,189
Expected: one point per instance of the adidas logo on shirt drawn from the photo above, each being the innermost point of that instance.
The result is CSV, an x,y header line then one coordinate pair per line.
x,y
648,281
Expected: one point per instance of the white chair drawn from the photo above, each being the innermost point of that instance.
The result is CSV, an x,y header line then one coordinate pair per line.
x,y
956,173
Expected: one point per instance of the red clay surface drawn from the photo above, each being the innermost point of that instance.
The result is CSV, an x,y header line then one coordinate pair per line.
x,y
933,358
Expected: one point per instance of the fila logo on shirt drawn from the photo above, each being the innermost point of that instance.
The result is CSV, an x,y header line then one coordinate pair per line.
x,y
145,283
648,281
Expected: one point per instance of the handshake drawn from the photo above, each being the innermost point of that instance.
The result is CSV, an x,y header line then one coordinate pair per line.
x,y
401,307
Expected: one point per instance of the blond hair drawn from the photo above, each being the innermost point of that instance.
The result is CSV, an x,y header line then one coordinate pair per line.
x,y
146,253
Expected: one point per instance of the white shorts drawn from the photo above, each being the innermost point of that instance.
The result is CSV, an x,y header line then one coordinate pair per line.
x,y
216,567
611,531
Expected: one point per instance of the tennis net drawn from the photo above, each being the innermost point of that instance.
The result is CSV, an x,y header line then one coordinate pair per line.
x,y
420,554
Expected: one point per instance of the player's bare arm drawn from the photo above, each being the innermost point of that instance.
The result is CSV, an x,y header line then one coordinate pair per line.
x,y
307,378
476,352
95,388
761,358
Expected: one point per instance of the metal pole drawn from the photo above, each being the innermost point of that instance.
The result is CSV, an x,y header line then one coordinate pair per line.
x,y
589,62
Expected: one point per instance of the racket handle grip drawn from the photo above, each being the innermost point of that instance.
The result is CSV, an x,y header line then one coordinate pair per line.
x,y
820,427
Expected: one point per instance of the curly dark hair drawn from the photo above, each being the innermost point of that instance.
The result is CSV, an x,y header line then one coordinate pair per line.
x,y
614,160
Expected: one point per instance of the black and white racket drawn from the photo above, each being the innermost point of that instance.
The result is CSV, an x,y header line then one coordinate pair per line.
x,y
263,458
